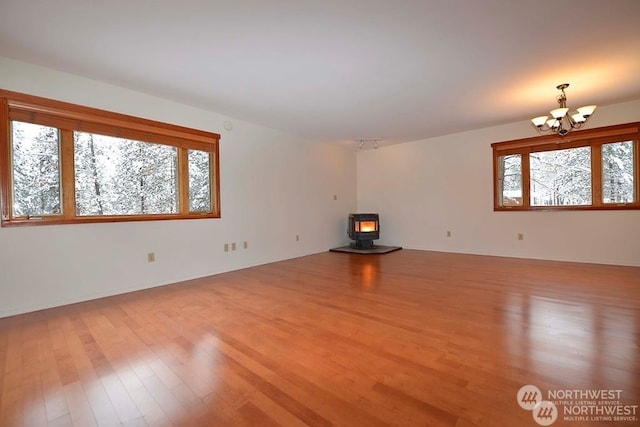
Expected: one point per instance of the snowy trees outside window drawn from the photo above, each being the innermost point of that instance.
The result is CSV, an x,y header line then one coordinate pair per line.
x,y
199,181
561,177
618,183
64,164
591,169
511,179
116,176
36,170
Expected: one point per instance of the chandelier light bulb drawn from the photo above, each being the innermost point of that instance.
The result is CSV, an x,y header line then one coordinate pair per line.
x,y
579,118
559,113
587,110
539,121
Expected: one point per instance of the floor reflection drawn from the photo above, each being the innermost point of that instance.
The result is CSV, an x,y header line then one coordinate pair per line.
x,y
162,387
592,345
365,271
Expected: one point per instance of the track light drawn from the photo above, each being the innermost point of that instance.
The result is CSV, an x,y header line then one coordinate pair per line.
x,y
362,142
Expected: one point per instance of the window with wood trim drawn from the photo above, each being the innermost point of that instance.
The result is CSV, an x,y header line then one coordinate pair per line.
x,y
587,169
62,163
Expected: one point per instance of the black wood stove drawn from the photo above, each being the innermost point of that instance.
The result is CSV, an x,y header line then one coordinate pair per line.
x,y
364,228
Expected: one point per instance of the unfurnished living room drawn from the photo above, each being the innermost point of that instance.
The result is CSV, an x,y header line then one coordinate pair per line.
x,y
349,213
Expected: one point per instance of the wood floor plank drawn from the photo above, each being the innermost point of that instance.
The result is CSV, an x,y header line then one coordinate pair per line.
x,y
103,411
151,411
33,410
79,407
12,399
255,416
120,399
408,338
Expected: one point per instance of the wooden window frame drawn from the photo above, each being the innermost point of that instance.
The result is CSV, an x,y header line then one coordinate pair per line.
x,y
593,138
68,118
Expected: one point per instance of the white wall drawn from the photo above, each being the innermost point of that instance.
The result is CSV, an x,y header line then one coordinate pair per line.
x,y
424,188
273,186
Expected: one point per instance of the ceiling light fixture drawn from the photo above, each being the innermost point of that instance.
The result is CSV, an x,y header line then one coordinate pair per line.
x,y
560,121
362,142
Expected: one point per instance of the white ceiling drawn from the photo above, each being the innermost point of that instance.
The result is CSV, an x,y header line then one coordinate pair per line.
x,y
343,70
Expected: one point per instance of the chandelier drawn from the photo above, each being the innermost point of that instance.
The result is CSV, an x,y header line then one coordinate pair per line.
x,y
560,121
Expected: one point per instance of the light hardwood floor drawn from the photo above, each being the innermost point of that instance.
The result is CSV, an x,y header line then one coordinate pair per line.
x,y
408,338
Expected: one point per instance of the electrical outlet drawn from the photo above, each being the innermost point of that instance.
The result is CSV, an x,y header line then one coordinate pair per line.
x,y
245,244
520,236
226,247
233,246
151,257
448,233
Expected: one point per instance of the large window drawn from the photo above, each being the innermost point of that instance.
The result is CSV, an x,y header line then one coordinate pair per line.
x,y
63,163
589,169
